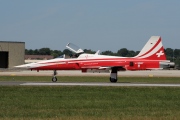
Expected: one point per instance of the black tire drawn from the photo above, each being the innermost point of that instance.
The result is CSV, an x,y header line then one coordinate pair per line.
x,y
54,79
113,80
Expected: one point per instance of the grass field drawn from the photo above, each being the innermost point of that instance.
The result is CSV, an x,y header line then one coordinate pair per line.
x,y
79,103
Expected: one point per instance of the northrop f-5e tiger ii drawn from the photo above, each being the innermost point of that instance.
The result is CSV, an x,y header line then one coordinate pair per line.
x,y
151,57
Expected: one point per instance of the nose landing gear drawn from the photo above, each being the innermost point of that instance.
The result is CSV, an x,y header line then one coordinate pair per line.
x,y
54,78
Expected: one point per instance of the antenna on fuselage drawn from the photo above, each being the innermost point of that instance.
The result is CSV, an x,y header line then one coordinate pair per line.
x,y
97,53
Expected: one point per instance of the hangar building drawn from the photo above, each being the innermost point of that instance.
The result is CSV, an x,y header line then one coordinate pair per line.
x,y
11,54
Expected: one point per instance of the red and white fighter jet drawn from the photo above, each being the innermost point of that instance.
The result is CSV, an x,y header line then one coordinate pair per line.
x,y
151,57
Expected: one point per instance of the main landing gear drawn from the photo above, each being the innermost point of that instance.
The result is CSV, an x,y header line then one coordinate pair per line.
x,y
54,78
113,75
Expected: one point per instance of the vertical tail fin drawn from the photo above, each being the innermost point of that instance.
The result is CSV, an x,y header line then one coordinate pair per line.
x,y
153,49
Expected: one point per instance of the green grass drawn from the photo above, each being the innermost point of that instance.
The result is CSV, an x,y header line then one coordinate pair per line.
x,y
19,102
79,103
92,79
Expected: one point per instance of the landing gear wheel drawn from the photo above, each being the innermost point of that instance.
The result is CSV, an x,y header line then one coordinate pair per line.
x,y
113,75
113,80
54,79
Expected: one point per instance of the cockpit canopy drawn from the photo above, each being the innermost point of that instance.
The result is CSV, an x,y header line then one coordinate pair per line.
x,y
72,47
78,52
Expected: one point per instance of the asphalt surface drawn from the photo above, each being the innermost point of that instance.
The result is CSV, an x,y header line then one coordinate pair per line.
x,y
155,73
101,84
10,83
13,83
158,73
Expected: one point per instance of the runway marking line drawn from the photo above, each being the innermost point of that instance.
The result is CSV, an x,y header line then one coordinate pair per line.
x,y
101,84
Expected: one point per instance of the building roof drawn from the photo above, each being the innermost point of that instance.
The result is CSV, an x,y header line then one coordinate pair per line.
x,y
11,42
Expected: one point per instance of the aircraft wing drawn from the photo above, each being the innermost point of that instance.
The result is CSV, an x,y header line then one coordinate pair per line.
x,y
120,68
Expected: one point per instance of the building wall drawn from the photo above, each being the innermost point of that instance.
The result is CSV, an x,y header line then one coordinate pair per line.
x,y
16,52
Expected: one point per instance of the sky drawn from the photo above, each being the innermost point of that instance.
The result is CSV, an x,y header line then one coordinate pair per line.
x,y
90,24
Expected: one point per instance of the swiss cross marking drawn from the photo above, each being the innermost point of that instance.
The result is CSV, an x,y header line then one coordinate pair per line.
x,y
159,54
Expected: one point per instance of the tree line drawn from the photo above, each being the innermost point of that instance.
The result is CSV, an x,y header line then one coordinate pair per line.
x,y
171,54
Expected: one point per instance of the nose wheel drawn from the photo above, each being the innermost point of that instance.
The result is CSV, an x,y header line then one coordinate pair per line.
x,y
54,78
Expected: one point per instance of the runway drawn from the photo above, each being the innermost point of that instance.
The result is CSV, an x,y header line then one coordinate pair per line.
x,y
101,84
13,83
154,73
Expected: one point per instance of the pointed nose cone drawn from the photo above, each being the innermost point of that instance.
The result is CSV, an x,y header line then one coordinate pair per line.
x,y
25,65
21,66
